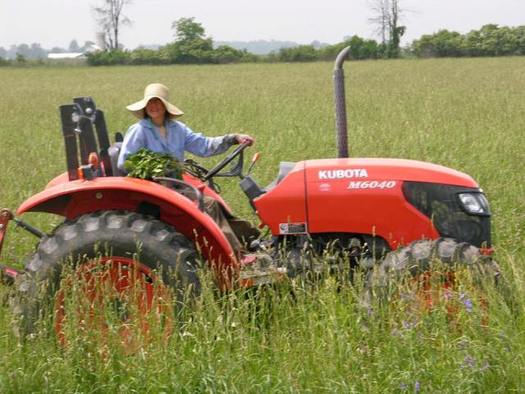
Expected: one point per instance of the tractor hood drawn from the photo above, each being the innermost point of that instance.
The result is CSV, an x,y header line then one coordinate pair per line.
x,y
369,169
367,196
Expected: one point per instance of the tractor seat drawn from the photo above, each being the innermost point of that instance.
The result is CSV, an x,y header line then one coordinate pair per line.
x,y
113,152
284,168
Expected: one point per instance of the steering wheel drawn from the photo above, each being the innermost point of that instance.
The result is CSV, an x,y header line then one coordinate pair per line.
x,y
227,160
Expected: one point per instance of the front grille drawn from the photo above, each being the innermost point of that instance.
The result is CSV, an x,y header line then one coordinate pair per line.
x,y
441,204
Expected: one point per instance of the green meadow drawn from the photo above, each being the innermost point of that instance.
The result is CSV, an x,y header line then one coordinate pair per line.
x,y
467,114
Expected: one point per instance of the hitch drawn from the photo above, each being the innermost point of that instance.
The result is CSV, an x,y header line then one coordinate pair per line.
x,y
9,274
5,216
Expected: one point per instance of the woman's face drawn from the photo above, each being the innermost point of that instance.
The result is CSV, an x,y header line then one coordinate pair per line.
x,y
155,109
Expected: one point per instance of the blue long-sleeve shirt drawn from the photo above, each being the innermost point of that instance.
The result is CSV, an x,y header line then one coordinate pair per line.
x,y
179,138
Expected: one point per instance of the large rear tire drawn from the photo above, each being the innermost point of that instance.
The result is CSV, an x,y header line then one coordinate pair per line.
x,y
121,250
430,269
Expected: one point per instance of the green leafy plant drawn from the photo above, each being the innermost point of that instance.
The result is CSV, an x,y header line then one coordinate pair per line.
x,y
146,164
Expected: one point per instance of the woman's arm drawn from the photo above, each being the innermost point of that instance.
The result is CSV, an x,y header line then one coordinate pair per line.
x,y
203,146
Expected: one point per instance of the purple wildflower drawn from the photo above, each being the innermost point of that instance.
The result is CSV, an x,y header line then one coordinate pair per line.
x,y
466,301
468,362
417,386
468,305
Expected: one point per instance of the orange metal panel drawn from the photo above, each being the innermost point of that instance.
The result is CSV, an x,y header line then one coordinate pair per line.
x,y
285,203
72,199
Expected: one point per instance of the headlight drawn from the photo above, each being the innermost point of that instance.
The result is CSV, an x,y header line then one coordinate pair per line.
x,y
474,203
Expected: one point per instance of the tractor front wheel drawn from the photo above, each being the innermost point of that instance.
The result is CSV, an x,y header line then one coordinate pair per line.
x,y
429,274
106,269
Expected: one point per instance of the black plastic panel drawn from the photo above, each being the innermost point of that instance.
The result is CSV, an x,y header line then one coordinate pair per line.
x,y
441,204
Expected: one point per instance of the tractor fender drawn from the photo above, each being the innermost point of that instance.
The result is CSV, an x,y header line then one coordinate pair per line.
x,y
75,198
195,182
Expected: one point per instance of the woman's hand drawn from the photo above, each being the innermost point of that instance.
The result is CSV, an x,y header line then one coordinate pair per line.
x,y
244,139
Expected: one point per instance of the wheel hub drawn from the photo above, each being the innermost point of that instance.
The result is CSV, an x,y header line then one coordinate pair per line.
x,y
112,295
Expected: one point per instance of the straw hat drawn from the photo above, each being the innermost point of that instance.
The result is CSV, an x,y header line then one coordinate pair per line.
x,y
153,90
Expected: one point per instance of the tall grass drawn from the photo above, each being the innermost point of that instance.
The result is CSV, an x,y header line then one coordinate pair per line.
x,y
468,114
293,337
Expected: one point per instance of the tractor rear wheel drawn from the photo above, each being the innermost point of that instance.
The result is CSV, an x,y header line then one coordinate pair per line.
x,y
112,262
428,273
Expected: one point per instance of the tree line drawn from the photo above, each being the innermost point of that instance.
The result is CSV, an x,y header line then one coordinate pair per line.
x,y
192,46
490,40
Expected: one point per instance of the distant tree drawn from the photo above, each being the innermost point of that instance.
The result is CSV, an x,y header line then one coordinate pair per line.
x,y
86,46
191,44
108,58
363,49
496,41
3,53
444,43
386,16
11,52
20,59
519,34
110,19
226,54
186,29
317,44
36,51
22,50
73,46
147,56
380,18
301,53
490,40
359,49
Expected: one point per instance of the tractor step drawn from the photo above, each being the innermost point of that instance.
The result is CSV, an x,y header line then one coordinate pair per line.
x,y
8,274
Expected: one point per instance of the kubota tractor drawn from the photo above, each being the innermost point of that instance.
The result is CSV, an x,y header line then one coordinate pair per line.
x,y
390,214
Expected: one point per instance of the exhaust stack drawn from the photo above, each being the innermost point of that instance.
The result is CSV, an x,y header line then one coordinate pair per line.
x,y
340,104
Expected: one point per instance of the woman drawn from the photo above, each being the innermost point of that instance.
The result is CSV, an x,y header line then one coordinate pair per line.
x,y
159,131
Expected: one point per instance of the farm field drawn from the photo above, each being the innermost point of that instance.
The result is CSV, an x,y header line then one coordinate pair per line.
x,y
467,114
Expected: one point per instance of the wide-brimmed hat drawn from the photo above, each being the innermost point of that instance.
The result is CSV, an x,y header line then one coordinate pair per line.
x,y
154,90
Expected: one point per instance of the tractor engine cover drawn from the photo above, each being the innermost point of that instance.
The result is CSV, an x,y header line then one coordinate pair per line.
x,y
395,199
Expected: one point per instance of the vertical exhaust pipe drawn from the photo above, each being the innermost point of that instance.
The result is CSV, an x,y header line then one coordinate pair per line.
x,y
340,104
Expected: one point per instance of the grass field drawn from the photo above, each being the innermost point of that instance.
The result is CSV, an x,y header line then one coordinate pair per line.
x,y
468,114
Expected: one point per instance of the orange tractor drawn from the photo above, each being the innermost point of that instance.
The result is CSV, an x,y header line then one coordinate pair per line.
x,y
389,213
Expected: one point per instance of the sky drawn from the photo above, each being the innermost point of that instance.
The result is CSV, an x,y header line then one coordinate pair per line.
x,y
56,22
